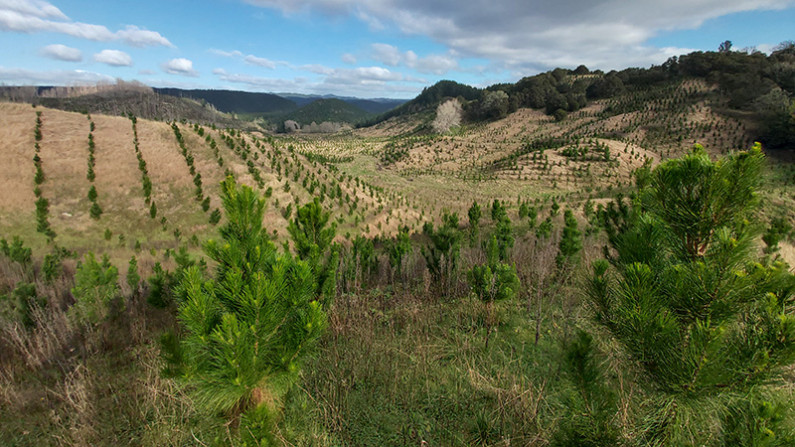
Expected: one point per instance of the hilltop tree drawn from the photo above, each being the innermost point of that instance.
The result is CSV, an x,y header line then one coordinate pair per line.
x,y
707,326
246,329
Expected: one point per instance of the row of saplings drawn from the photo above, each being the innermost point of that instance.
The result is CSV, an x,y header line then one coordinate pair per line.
x,y
707,328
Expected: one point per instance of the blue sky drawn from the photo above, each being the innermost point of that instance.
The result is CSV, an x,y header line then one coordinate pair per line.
x,y
377,48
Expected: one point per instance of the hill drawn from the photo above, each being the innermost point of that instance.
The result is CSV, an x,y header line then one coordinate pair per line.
x,y
374,105
232,101
327,110
120,99
757,88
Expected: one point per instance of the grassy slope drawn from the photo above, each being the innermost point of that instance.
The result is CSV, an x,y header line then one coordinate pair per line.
x,y
397,366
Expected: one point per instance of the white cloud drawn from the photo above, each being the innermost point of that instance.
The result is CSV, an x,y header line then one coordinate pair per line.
x,y
259,61
387,54
223,53
35,8
390,55
39,16
249,59
114,58
533,34
137,37
362,82
348,58
180,66
62,52
21,76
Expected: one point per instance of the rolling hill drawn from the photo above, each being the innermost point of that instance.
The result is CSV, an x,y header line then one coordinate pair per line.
x,y
408,332
327,110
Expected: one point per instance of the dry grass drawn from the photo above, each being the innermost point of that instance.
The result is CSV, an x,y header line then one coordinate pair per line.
x,y
16,152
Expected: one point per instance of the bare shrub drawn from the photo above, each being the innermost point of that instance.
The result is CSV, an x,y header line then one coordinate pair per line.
x,y
448,115
47,344
539,275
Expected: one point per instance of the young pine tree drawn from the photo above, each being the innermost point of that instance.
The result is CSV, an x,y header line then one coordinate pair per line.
x,y
710,329
312,240
474,214
441,256
94,290
493,281
397,249
247,328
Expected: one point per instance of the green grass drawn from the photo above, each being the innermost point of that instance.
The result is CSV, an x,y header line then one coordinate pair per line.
x,y
398,370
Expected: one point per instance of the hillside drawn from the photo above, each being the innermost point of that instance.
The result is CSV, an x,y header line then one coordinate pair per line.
x,y
231,101
753,87
327,110
120,99
479,286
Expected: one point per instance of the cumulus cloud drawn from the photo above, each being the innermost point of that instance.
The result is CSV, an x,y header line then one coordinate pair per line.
x,y
179,66
21,76
62,52
539,34
391,56
40,16
114,58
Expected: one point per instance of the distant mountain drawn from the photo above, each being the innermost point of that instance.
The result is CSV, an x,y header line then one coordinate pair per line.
x,y
327,110
276,105
233,101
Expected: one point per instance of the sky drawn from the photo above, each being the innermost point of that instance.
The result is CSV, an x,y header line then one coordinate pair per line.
x,y
367,49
